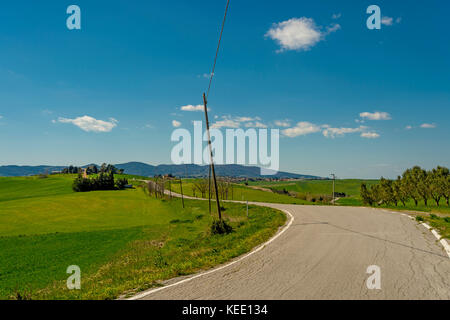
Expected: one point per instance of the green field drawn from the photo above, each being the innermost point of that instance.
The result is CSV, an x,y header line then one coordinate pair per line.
x,y
240,193
123,241
350,187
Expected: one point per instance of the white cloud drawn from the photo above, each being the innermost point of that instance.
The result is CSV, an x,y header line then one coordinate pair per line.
x,y
89,124
298,33
408,127
282,123
236,122
301,129
330,132
390,21
176,123
387,21
1,117
192,108
375,116
247,119
428,126
370,135
255,124
333,28
226,124
336,16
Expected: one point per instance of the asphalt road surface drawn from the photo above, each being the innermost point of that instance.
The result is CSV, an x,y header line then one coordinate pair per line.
x,y
324,254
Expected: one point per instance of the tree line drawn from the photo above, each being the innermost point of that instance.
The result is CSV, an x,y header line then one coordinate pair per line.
x,y
93,169
103,181
415,184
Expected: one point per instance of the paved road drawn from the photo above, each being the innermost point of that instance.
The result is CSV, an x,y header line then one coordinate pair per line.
x,y
324,254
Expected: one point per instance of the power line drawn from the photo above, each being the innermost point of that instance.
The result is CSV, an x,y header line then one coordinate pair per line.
x,y
217,51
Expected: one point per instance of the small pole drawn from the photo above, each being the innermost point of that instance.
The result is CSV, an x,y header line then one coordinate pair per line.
x,y
181,187
247,208
334,179
170,190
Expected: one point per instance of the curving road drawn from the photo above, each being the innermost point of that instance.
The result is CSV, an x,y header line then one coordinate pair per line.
x,y
324,254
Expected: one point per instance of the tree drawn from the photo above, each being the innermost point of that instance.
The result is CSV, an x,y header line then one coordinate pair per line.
x,y
401,190
422,183
436,182
446,188
387,192
202,186
409,184
366,195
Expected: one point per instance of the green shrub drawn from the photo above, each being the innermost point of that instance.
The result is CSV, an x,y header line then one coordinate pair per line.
x,y
220,227
121,183
420,218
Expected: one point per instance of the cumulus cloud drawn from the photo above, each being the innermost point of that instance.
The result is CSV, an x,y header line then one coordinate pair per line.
x,y
301,129
90,124
176,123
298,34
389,21
330,132
228,123
408,127
282,123
375,116
193,108
255,124
370,135
236,122
428,126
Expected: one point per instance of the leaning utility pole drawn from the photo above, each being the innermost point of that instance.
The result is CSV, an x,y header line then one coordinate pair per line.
x,y
205,103
209,189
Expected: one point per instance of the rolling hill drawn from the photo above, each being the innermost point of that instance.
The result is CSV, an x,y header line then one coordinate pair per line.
x,y
144,169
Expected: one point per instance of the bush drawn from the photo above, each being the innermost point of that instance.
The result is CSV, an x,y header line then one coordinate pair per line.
x,y
104,181
420,218
220,227
121,183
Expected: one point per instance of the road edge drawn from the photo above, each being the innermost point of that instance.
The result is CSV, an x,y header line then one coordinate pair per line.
x,y
229,264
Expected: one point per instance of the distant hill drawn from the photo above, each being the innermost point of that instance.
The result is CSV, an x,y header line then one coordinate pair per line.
x,y
143,169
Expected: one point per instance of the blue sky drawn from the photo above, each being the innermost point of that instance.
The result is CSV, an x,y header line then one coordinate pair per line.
x,y
134,64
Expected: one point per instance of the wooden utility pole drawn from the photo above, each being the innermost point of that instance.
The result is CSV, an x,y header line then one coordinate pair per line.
x,y
209,191
334,180
205,103
181,187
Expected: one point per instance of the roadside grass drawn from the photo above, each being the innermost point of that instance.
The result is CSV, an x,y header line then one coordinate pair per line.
x,y
437,217
123,241
439,222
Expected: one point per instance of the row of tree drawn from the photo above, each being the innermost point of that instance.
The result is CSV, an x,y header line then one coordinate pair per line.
x,y
93,169
104,181
415,184
224,187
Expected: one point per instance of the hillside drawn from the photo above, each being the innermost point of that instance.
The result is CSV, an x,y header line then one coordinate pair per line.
x,y
143,169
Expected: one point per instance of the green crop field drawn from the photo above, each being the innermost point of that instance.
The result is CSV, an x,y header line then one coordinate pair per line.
x,y
350,187
240,193
123,241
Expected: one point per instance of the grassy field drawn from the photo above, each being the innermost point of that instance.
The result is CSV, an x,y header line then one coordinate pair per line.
x,y
350,187
123,241
241,193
